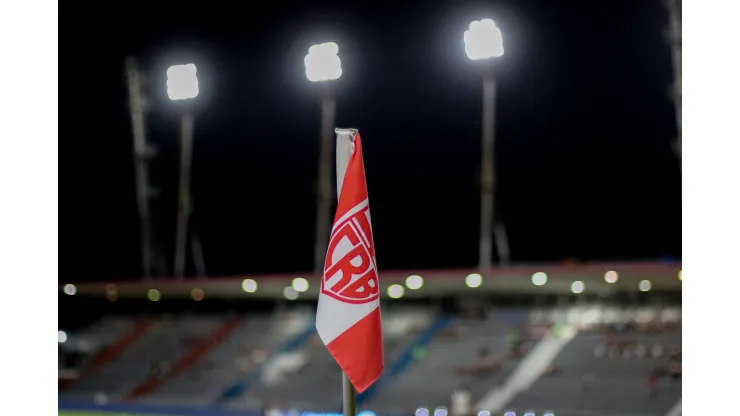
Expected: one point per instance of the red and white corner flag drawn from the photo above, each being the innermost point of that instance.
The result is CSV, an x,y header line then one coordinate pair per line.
x,y
348,314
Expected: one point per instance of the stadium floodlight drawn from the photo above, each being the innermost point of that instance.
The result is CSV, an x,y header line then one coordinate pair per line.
x,y
249,285
323,63
414,282
483,40
395,291
154,295
290,293
539,279
473,280
182,82
300,284
70,289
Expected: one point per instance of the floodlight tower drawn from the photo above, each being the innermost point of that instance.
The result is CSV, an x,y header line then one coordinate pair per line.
x,y
673,37
182,85
483,42
151,256
324,66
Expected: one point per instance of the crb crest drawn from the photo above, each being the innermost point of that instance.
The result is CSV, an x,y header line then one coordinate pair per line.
x,y
350,273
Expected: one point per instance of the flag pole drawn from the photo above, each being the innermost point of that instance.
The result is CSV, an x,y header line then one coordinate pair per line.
x,y
348,397
348,390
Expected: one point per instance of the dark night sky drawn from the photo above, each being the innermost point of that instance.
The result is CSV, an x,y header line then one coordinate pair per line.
x,y
583,136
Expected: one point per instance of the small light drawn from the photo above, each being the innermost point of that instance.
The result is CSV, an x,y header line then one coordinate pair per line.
x,y
414,282
510,413
679,275
249,285
577,286
300,284
290,293
611,276
645,285
484,413
473,280
366,413
529,413
395,291
62,336
422,411
70,289
549,414
197,294
153,295
440,411
539,279
111,295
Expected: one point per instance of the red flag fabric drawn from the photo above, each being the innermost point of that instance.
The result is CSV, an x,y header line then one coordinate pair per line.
x,y
348,313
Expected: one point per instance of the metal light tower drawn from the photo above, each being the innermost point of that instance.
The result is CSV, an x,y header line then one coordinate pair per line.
x,y
151,258
323,65
182,84
674,39
483,41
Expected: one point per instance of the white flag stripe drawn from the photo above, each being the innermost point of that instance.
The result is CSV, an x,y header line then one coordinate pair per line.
x,y
345,147
334,317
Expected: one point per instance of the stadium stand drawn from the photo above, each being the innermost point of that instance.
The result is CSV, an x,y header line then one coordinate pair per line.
x,y
626,365
306,386
150,356
252,342
472,353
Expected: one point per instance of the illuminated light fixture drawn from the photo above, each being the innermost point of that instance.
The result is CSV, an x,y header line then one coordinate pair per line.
x,y
182,82
249,285
644,285
577,287
290,293
440,411
484,413
611,276
323,63
62,337
539,279
300,284
422,411
395,291
483,40
153,295
473,280
510,413
679,275
414,282
70,289
197,294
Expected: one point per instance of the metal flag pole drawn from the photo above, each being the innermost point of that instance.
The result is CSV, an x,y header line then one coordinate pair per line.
x,y
348,390
348,397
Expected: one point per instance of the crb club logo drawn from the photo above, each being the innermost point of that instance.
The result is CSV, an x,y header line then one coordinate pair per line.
x,y
350,274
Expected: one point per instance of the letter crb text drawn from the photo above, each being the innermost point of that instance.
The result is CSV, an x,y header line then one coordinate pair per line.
x,y
350,275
